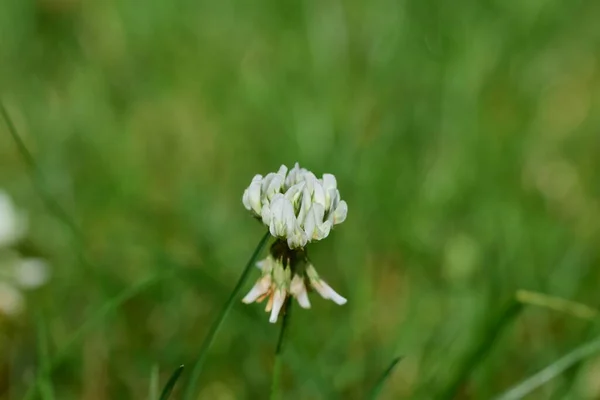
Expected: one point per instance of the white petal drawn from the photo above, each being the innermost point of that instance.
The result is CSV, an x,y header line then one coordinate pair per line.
x,y
276,226
298,239
274,186
294,193
251,198
319,194
282,170
260,288
310,223
314,222
305,205
289,217
328,293
340,213
332,198
254,197
310,180
323,230
264,185
246,200
276,181
278,300
329,181
302,298
298,290
295,176
266,214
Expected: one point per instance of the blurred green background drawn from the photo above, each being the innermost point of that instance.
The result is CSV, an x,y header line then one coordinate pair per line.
x,y
464,136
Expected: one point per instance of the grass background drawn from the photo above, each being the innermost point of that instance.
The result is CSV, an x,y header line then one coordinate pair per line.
x,y
464,136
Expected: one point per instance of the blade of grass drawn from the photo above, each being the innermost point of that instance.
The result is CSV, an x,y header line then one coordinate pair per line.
x,y
573,308
376,391
153,389
86,327
557,304
45,388
551,371
52,205
191,386
572,373
171,383
480,352
276,382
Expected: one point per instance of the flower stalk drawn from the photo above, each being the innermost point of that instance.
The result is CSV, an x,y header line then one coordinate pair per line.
x,y
277,366
195,374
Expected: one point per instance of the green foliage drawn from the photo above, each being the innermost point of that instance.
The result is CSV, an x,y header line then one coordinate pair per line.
x,y
464,137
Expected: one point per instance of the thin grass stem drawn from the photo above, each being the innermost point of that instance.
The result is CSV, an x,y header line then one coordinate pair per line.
x,y
210,336
551,371
171,383
376,391
278,364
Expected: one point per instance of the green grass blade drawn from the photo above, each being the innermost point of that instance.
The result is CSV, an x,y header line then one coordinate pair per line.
x,y
376,391
559,304
153,389
46,389
480,352
551,371
171,383
191,386
52,205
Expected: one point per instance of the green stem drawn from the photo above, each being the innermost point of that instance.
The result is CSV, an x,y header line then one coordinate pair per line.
x,y
195,374
276,382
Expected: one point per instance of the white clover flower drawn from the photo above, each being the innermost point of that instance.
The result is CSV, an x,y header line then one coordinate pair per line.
x,y
17,273
298,208
13,224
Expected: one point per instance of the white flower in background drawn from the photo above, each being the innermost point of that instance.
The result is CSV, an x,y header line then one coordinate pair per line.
x,y
13,224
17,273
11,300
30,273
298,208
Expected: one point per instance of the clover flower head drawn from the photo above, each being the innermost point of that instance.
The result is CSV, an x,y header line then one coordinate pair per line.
x,y
296,205
298,208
